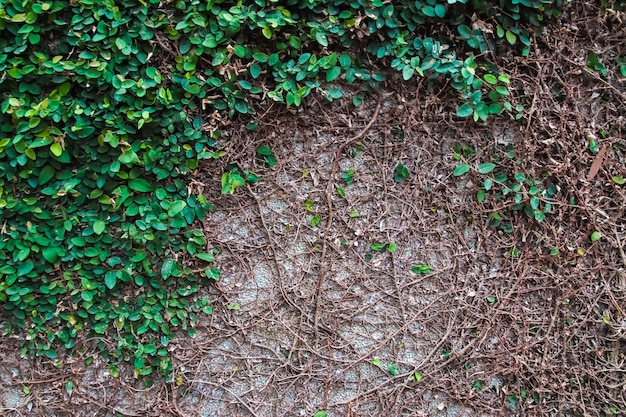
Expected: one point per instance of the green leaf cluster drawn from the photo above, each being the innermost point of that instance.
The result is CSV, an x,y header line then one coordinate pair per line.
x,y
107,106
522,192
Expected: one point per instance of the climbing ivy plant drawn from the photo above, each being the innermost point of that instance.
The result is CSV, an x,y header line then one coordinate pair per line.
x,y
106,106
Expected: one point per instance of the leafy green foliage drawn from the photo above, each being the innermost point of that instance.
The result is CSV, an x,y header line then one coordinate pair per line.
x,y
233,179
106,107
422,269
265,154
527,194
622,65
348,176
400,173
594,64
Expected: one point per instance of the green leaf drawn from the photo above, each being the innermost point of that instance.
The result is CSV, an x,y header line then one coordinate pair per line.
x,y
461,169
264,150
98,227
465,110
46,174
141,185
56,149
212,273
595,236
255,70
120,43
321,38
464,31
110,279
486,168
315,220
480,196
240,51
417,376
38,143
176,207
393,370
378,246
491,79
335,93
207,257
50,254
345,61
87,296
502,90
392,247
510,37
167,268
407,72
129,157
333,73
440,11
534,203
421,269
428,11
321,413
618,180
25,268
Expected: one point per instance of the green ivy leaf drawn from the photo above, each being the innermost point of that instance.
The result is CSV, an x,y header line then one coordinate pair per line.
x,y
480,196
167,268
461,169
333,73
212,273
129,157
141,185
315,220
465,110
56,149
378,246
264,150
110,279
176,207
87,296
255,70
464,31
98,227
46,174
421,269
321,38
491,79
440,11
207,257
407,72
50,254
486,168
510,37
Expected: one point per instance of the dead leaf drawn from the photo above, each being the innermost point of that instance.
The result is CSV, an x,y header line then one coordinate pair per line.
x,y
597,164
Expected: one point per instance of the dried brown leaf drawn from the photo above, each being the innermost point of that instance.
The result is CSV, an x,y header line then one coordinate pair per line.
x,y
597,164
